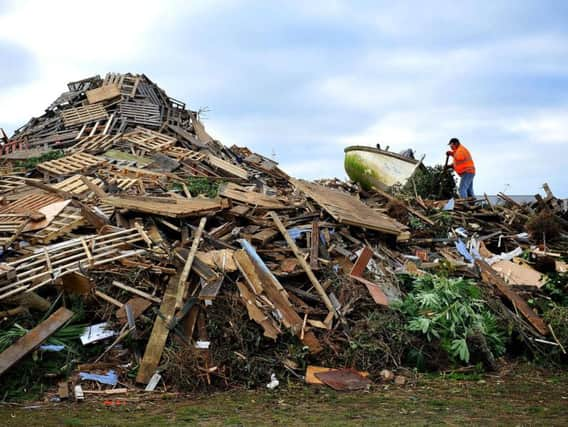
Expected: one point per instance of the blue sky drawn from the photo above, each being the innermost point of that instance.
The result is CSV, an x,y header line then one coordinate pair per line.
x,y
303,80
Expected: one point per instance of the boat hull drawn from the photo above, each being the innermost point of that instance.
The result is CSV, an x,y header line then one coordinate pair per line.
x,y
372,167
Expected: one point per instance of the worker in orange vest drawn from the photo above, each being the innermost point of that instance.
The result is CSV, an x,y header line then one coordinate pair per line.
x,y
464,167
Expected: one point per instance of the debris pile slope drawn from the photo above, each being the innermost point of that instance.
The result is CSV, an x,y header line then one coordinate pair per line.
x,y
139,252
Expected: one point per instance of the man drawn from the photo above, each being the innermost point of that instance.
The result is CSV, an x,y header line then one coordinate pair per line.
x,y
464,167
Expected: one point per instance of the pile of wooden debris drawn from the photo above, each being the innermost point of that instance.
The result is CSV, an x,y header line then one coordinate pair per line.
x,y
173,257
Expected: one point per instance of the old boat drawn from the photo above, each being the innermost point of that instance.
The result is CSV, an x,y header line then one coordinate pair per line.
x,y
374,167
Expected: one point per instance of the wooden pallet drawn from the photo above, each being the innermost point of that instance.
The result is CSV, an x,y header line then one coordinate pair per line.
x,y
29,203
50,262
11,183
70,165
149,140
127,83
75,185
79,115
140,112
11,225
68,220
121,175
96,144
180,153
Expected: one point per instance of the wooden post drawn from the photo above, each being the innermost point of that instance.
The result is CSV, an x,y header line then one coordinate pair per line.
x,y
182,286
160,332
302,262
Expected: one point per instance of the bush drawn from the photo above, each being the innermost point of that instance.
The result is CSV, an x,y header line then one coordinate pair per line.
x,y
451,313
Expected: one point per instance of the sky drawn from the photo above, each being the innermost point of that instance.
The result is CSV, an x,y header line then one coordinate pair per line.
x,y
301,80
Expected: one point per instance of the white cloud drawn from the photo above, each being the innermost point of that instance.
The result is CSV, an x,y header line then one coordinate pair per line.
x,y
404,76
543,127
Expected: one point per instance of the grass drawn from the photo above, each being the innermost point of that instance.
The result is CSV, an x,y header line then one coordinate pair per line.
x,y
523,396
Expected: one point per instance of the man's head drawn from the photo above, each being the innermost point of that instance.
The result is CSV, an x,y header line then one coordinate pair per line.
x,y
454,143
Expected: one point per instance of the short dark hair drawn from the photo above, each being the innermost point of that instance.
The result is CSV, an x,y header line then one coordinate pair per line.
x,y
454,141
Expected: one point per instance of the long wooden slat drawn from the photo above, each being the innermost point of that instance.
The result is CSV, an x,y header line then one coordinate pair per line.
x,y
33,338
182,286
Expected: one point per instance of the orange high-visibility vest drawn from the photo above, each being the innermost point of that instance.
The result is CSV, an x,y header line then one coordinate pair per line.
x,y
463,163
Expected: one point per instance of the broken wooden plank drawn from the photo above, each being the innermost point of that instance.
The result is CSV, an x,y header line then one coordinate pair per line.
x,y
259,277
182,285
491,277
33,338
227,167
357,274
346,209
167,206
302,261
160,332
236,192
270,327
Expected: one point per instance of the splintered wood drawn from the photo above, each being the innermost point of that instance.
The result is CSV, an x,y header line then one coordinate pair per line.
x,y
262,282
346,209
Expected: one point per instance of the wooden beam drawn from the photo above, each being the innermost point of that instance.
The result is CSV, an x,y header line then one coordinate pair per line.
x,y
490,276
182,286
159,335
33,338
302,262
